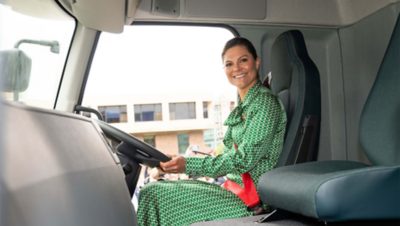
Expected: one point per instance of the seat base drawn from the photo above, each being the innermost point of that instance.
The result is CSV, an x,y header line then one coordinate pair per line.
x,y
334,190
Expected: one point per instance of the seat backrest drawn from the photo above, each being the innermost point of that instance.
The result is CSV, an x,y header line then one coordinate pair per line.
x,y
379,127
58,169
295,80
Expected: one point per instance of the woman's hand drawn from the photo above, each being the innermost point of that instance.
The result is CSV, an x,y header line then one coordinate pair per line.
x,y
176,165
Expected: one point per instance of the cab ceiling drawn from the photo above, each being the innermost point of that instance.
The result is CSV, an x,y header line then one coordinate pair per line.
x,y
112,15
336,13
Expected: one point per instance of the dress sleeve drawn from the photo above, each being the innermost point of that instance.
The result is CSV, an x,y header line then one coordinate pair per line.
x,y
253,143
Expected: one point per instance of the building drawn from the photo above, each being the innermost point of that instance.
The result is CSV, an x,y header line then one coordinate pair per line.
x,y
171,123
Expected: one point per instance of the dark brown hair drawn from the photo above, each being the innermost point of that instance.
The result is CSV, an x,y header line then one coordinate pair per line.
x,y
236,41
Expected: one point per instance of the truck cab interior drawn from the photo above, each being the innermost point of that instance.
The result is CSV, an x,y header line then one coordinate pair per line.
x,y
67,159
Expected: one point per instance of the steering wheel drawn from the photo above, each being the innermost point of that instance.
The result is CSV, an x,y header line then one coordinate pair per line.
x,y
135,149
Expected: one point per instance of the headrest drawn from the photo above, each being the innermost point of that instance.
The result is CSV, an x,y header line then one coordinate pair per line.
x,y
15,69
281,64
286,52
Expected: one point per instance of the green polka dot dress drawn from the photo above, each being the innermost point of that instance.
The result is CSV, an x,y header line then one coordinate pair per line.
x,y
257,127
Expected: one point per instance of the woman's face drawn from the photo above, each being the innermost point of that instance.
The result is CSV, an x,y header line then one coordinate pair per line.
x,y
241,68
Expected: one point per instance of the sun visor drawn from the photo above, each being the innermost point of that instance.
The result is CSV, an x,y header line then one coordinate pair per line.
x,y
103,15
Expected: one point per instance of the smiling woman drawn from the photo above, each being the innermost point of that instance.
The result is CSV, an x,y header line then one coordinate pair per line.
x,y
252,145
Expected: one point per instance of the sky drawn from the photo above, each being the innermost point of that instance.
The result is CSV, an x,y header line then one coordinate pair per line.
x,y
167,59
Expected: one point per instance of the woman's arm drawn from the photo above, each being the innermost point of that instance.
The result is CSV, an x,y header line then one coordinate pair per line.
x,y
260,128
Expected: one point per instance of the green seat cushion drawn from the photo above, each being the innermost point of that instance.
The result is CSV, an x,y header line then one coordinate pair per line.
x,y
334,190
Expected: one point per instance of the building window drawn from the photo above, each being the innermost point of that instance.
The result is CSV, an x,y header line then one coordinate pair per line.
x,y
185,110
206,106
209,137
150,139
114,114
183,142
147,112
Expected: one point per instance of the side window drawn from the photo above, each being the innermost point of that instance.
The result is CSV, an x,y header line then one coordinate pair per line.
x,y
32,56
163,84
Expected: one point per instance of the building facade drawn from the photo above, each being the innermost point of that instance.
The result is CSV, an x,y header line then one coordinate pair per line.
x,y
172,124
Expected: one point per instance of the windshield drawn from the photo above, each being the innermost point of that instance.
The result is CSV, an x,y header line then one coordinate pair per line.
x,y
32,55
164,84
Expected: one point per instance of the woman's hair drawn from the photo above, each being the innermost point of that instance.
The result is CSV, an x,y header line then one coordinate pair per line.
x,y
236,41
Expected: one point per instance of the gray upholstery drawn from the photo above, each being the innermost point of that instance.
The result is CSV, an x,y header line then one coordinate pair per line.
x,y
57,169
379,126
344,190
335,190
295,80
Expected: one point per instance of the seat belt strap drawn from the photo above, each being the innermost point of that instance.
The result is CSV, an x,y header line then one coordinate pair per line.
x,y
248,193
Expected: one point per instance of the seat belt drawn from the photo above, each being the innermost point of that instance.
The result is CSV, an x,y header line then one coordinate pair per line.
x,y
248,193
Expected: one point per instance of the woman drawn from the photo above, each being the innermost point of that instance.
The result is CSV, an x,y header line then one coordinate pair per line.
x,y
253,143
